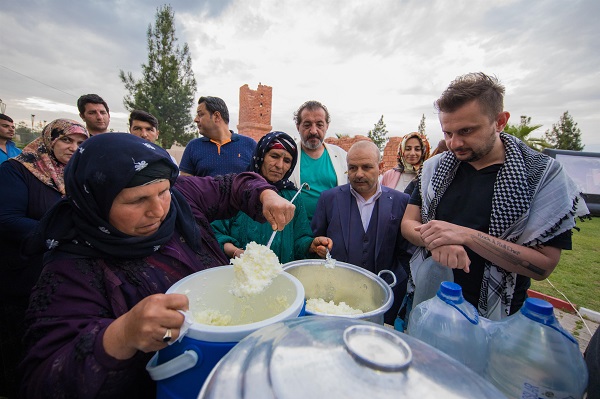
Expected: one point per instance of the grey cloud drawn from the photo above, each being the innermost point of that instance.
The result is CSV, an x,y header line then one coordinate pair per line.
x,y
545,52
82,48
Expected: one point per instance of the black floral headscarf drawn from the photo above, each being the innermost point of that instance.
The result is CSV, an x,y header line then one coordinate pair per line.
x,y
265,144
103,166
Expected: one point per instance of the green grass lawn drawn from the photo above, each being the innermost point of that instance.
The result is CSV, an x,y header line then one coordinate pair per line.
x,y
578,272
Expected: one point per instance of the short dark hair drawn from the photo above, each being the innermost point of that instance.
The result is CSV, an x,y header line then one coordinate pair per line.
x,y
311,105
90,99
214,104
6,118
139,115
487,90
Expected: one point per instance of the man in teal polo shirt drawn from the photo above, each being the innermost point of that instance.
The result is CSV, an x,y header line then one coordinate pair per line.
x,y
220,151
322,166
8,149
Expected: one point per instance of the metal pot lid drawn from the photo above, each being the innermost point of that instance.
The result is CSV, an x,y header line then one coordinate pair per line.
x,y
316,357
377,348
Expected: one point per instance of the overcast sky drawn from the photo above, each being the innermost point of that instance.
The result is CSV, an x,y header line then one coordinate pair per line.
x,y
362,59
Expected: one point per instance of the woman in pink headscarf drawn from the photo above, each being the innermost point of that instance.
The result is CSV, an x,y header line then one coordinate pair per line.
x,y
413,150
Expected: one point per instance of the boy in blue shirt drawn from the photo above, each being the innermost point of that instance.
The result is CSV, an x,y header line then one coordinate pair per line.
x,y
8,149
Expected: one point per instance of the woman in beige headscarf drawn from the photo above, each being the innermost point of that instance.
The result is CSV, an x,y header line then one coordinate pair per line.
x,y
413,150
32,182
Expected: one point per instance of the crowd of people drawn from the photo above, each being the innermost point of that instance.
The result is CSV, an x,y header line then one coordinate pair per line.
x,y
96,227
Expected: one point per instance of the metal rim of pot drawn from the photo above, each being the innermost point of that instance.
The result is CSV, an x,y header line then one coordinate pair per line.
x,y
375,313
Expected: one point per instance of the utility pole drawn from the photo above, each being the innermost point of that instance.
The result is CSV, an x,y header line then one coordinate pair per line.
x,y
32,120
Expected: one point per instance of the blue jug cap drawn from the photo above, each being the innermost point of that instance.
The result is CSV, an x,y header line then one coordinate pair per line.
x,y
543,312
538,306
450,291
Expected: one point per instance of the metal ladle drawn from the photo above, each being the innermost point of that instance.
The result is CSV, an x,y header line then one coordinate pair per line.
x,y
291,202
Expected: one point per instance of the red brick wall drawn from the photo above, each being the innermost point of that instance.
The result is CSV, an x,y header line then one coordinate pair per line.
x,y
345,142
390,153
255,111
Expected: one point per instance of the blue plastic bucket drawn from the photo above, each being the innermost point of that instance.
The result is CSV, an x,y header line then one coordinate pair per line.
x,y
181,368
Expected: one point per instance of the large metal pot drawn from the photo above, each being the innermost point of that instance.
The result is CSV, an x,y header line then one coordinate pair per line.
x,y
345,282
332,357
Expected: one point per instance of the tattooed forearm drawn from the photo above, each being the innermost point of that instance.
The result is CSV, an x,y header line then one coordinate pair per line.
x,y
498,247
533,268
504,251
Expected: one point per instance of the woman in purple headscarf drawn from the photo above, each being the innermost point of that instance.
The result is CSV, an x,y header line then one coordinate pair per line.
x,y
128,229
274,159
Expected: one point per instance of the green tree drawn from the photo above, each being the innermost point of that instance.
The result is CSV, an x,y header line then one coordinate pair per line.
x,y
167,86
24,134
565,135
378,134
523,130
421,128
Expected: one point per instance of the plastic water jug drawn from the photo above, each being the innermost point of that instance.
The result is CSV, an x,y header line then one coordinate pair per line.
x,y
427,278
451,324
532,356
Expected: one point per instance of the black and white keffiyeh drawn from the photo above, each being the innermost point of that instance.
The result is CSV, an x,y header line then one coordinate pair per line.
x,y
534,201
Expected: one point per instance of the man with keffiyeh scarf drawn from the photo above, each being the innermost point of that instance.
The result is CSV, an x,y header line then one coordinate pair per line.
x,y
491,208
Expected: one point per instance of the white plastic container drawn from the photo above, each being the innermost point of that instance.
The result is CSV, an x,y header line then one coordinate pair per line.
x,y
181,368
451,324
532,356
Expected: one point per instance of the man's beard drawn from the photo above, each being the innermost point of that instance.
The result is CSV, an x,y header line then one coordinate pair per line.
x,y
481,152
309,145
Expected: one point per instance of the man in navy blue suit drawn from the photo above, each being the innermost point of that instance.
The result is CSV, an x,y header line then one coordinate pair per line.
x,y
363,220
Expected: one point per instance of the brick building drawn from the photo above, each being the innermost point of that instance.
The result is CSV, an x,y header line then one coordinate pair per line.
x,y
346,142
255,111
390,153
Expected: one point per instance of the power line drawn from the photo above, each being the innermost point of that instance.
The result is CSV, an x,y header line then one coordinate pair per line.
x,y
35,80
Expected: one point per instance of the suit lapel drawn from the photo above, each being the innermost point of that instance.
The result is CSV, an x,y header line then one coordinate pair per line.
x,y
384,215
344,214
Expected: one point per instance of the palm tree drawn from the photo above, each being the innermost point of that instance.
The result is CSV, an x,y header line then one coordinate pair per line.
x,y
523,130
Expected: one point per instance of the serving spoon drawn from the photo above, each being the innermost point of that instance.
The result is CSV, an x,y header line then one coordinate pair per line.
x,y
291,202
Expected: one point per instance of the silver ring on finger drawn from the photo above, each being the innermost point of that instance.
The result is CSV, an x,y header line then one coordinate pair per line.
x,y
167,337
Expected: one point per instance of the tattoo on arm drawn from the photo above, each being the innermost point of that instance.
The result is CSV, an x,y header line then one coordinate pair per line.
x,y
537,270
506,252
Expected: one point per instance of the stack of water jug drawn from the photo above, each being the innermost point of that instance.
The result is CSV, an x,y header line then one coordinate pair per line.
x,y
526,355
